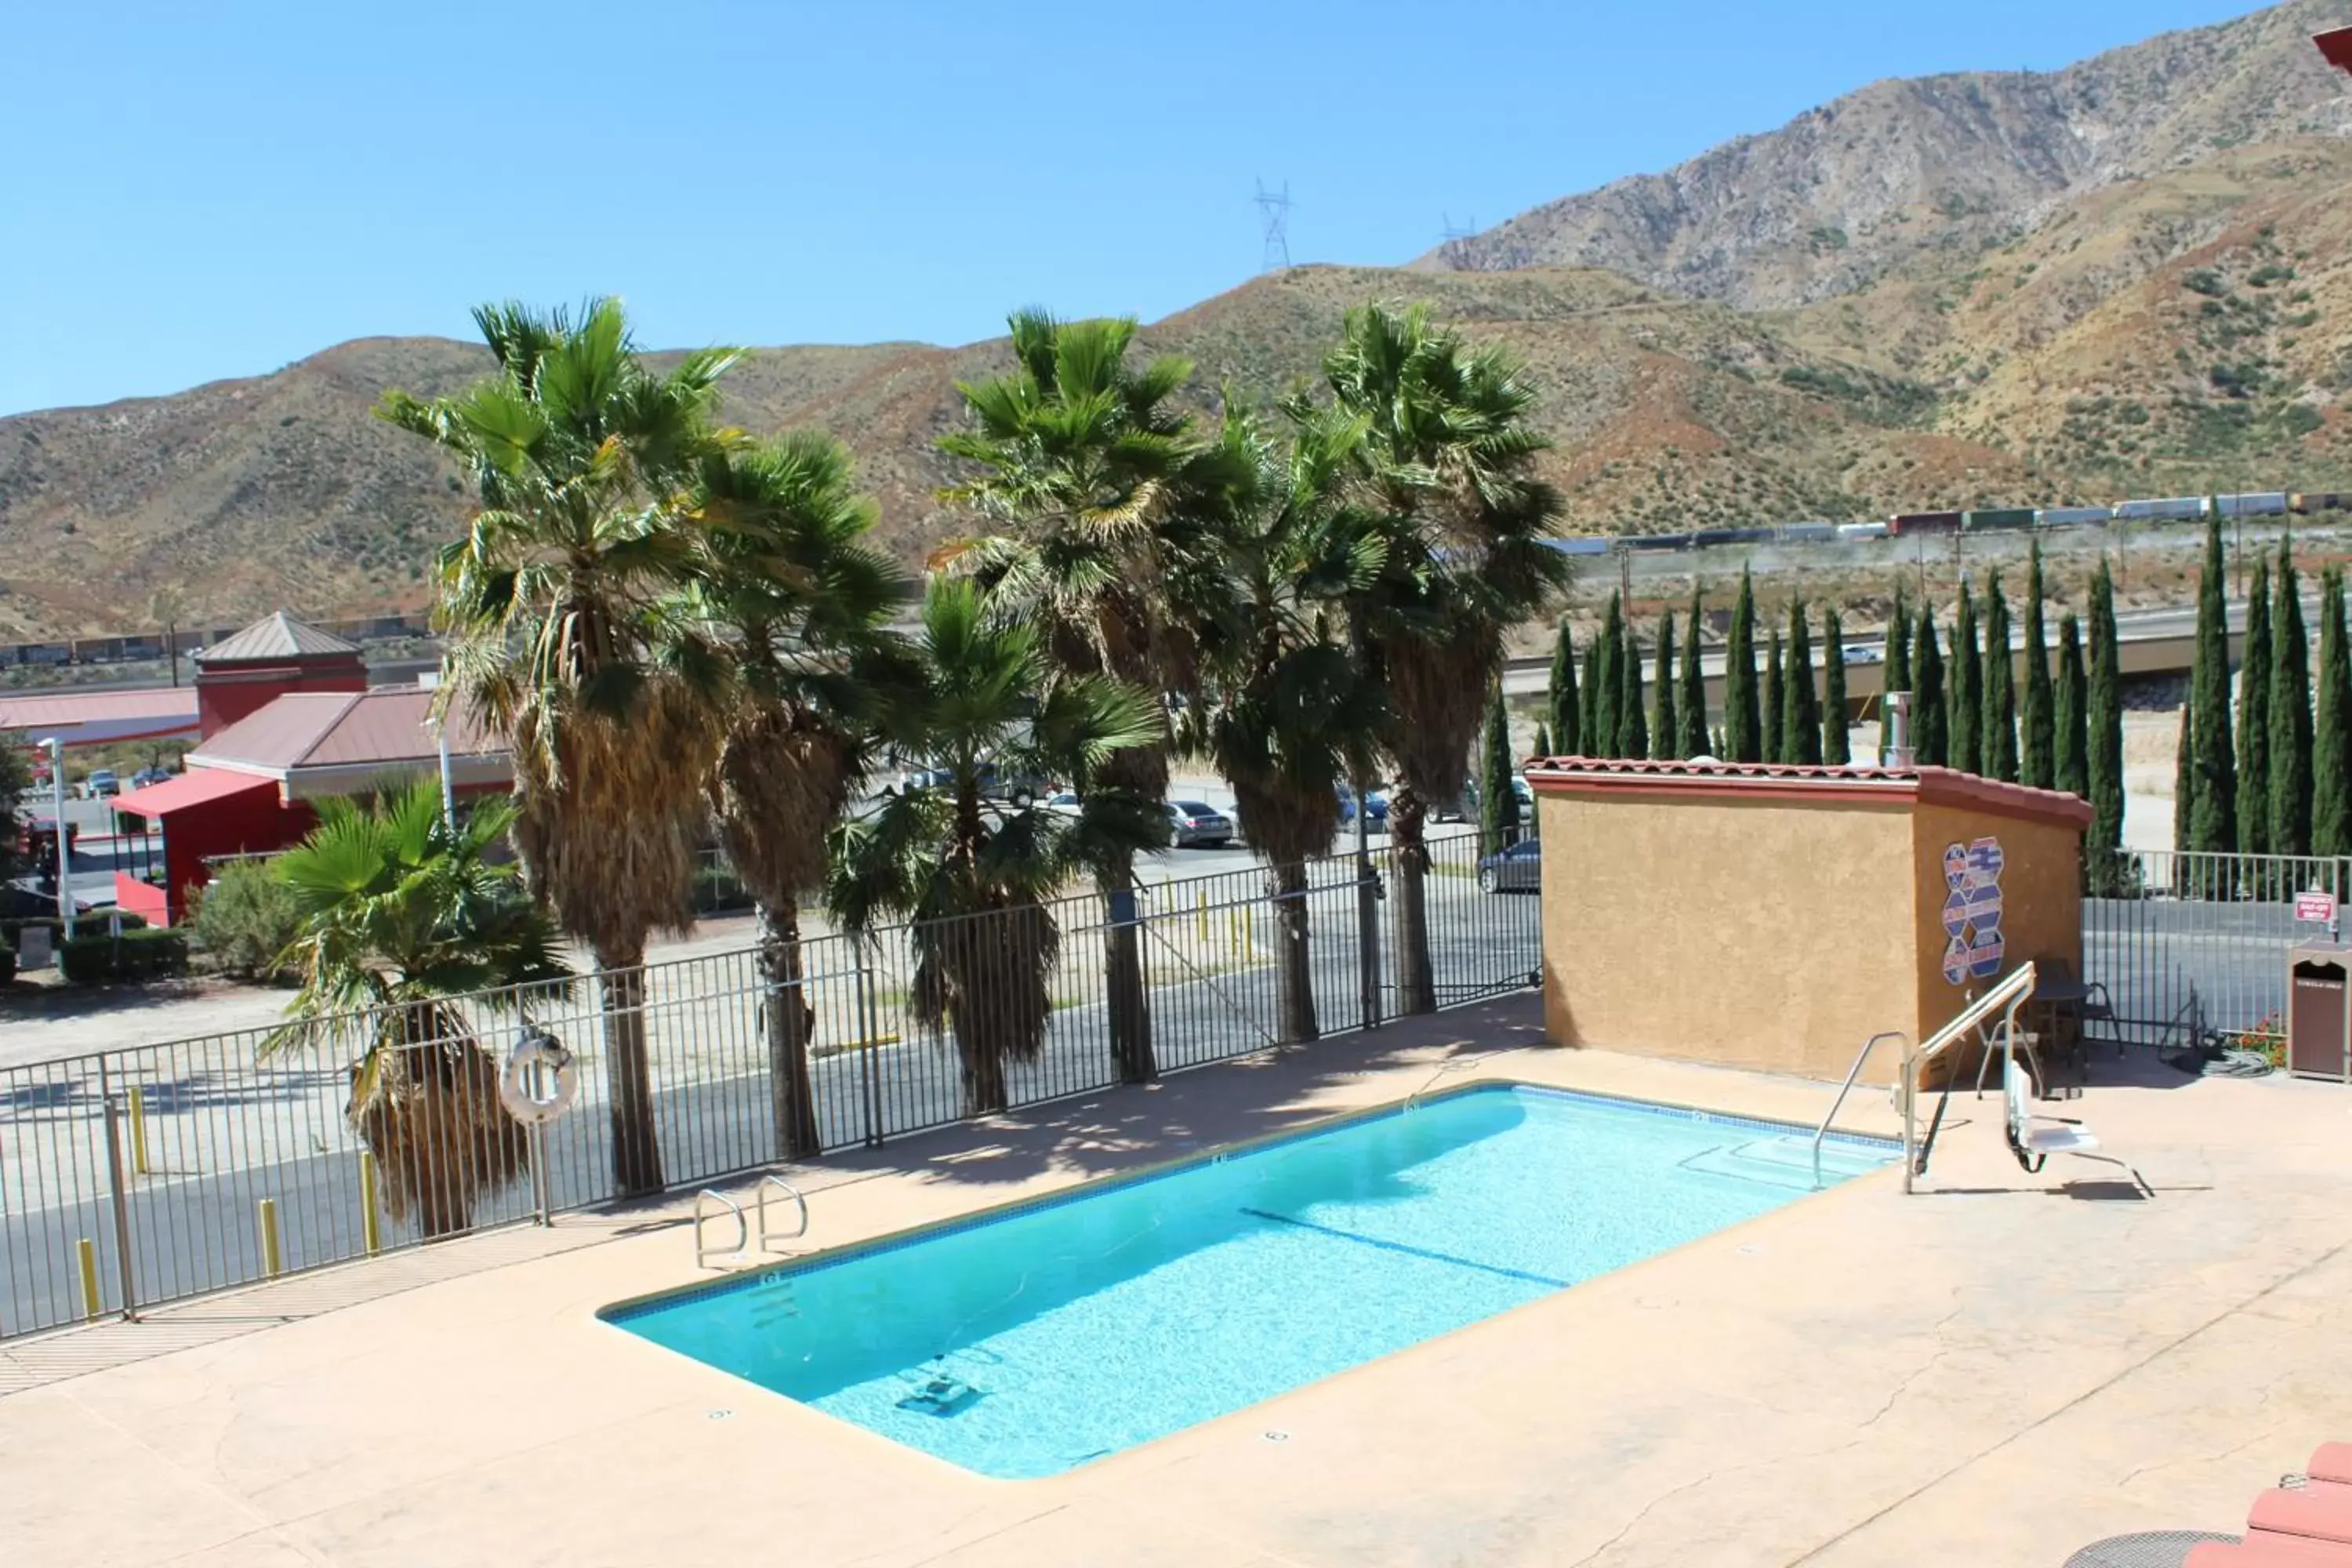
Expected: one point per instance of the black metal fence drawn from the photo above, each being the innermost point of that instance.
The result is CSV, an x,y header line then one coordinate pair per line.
x,y
135,1177
2214,928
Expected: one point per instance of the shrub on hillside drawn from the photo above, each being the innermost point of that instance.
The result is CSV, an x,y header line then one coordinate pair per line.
x,y
245,919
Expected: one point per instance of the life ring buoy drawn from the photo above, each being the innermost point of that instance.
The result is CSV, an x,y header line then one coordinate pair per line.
x,y
538,1083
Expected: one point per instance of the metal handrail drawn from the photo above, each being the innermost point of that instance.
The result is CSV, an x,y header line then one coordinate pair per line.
x,y
2008,996
702,1254
1852,1073
790,1191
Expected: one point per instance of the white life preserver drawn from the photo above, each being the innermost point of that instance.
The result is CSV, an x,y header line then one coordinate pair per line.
x,y
538,1083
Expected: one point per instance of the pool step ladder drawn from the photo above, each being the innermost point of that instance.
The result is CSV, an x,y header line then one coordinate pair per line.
x,y
1787,1160
711,1203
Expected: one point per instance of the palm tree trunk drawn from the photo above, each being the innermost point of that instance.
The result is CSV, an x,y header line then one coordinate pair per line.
x,y
789,1022
1416,977
628,1074
1294,976
1131,1003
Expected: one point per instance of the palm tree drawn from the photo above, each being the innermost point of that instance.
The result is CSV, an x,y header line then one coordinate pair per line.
x,y
803,600
1448,461
403,915
1290,712
1084,468
560,602
972,878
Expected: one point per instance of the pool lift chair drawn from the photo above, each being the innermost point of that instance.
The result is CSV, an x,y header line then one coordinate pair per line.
x,y
2033,1145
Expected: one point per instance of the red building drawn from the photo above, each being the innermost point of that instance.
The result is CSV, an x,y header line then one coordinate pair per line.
x,y
249,787
243,674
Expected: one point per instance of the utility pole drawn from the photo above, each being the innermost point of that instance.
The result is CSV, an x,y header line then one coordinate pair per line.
x,y
55,748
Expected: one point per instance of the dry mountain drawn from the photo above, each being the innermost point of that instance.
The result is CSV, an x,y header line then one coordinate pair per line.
x,y
2133,277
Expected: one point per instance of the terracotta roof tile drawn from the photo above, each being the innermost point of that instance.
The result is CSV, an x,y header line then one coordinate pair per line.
x,y
1933,785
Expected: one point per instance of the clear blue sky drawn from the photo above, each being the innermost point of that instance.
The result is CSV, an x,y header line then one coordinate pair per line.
x,y
198,190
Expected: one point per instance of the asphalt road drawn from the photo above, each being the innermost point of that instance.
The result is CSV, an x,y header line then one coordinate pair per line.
x,y
197,1229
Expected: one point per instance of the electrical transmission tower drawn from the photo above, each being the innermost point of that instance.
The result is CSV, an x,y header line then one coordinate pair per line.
x,y
1453,245
1273,213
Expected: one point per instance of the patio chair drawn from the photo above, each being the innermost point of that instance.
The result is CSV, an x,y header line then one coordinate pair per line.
x,y
2033,1145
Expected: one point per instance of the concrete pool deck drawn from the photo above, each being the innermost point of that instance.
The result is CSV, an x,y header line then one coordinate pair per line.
x,y
1996,1371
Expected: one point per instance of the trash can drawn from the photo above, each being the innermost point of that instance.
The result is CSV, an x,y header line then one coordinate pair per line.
x,y
2318,1021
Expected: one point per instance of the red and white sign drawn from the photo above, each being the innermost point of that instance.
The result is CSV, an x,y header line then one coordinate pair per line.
x,y
2318,909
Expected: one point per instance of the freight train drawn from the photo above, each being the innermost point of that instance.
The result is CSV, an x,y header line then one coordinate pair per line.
x,y
1983,520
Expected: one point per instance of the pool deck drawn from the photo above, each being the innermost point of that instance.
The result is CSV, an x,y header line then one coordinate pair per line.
x,y
1998,1371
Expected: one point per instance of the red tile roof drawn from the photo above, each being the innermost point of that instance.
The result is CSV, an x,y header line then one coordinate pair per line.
x,y
1706,776
50,709
380,729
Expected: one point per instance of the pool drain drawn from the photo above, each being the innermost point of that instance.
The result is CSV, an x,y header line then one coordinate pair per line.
x,y
1273,1435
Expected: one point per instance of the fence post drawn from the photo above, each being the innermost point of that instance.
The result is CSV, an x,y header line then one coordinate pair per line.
x,y
867,1047
1367,926
122,1206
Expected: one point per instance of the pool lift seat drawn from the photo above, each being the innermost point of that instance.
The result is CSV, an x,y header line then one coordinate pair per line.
x,y
2033,1145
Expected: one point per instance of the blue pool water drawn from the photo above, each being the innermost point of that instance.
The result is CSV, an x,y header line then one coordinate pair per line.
x,y
1026,1344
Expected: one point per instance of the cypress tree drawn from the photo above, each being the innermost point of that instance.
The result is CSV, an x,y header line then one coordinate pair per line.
x,y
1633,727
1743,721
1997,742
1604,686
2038,758
2103,722
1801,740
2184,780
1543,739
2331,730
2070,762
1588,706
1665,729
1693,742
1775,703
2213,821
1498,804
1562,691
1964,704
1931,734
2290,716
2255,719
1898,644
1716,747
1833,742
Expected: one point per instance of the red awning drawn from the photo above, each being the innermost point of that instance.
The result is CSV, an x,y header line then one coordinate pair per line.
x,y
194,788
2335,48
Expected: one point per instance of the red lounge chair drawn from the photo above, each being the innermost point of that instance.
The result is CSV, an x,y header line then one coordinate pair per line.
x,y
2331,1462
2262,1551
2321,1511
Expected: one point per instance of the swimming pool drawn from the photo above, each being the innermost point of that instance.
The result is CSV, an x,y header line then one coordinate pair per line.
x,y
1028,1342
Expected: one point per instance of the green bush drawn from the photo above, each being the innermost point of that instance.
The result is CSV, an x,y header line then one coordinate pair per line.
x,y
136,955
12,931
244,919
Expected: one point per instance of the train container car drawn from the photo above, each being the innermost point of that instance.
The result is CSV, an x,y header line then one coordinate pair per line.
x,y
1582,544
2304,503
2074,516
1997,519
1904,523
1708,538
1862,531
1799,532
46,653
2257,504
2170,509
1656,541
1763,535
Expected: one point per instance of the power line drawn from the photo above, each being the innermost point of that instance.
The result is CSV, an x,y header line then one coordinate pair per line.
x,y
1273,216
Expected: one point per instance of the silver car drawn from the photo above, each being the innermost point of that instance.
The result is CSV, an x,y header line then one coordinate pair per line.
x,y
1517,869
1196,824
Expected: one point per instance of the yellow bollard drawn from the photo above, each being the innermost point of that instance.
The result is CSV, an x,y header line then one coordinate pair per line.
x,y
369,1225
271,1263
1249,927
1204,917
91,1304
139,1131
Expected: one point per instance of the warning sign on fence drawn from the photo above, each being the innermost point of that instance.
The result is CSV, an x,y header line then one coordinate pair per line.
x,y
2319,909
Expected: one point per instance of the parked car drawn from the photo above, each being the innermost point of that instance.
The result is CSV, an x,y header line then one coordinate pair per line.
x,y
1517,869
1863,654
1195,825
1466,807
1019,791
1065,804
146,776
1376,806
100,784
38,840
